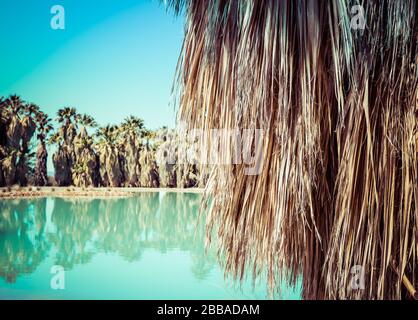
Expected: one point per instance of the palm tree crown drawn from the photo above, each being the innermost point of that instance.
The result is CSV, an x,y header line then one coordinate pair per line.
x,y
133,126
67,114
86,121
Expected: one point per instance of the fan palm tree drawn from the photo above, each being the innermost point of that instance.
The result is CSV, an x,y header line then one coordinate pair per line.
x,y
18,128
14,106
64,157
3,112
10,138
149,168
132,130
67,114
337,185
3,136
87,121
44,127
68,118
80,175
108,136
107,148
28,124
85,171
132,126
149,136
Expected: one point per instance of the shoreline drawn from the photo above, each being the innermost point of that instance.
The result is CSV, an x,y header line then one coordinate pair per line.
x,y
91,192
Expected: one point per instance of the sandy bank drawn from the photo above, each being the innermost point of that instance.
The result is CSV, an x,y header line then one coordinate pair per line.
x,y
33,192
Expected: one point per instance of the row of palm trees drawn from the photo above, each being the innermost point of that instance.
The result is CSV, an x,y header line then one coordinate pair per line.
x,y
86,155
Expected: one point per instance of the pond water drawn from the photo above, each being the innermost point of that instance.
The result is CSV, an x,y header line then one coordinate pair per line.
x,y
145,247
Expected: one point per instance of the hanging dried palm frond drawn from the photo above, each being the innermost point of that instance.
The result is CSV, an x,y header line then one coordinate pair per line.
x,y
339,182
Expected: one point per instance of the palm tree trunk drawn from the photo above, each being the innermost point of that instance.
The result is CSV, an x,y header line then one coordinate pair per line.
x,y
22,167
41,175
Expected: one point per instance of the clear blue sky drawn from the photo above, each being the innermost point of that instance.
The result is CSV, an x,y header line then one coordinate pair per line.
x,y
114,58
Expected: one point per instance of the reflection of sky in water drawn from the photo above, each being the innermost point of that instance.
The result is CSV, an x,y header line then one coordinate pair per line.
x,y
144,247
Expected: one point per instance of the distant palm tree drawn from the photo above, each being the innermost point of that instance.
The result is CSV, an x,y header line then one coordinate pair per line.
x,y
2,108
80,174
10,137
17,129
86,121
67,114
3,120
44,127
149,135
133,126
64,157
108,149
12,109
85,171
15,104
54,138
31,109
28,124
108,139
132,130
68,118
108,135
3,136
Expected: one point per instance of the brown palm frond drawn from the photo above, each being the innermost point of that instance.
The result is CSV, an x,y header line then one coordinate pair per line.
x,y
339,183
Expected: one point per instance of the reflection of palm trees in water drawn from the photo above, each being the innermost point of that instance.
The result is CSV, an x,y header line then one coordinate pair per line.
x,y
159,223
182,214
84,227
75,222
23,245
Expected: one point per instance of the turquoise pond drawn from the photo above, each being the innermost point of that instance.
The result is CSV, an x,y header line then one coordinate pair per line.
x,y
145,247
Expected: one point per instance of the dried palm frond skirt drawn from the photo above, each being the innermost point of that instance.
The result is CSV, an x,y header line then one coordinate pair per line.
x,y
333,86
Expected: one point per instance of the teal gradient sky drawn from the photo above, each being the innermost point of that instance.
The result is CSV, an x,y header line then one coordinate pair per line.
x,y
114,58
